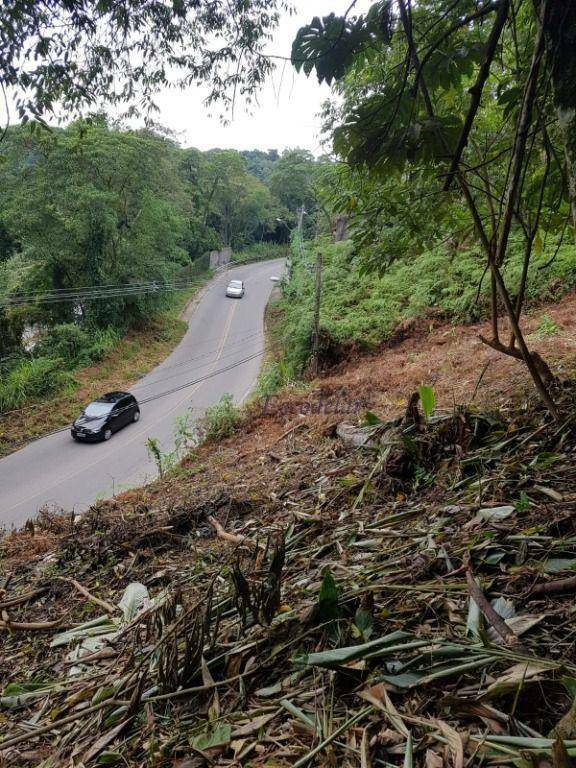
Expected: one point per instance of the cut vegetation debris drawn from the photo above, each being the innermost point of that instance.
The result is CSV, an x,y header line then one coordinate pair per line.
x,y
302,600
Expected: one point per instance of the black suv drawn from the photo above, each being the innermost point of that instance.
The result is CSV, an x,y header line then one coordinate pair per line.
x,y
104,416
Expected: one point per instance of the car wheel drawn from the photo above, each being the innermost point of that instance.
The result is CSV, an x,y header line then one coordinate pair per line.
x,y
136,416
107,434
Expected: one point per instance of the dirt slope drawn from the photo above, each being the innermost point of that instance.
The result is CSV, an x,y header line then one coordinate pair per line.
x,y
310,602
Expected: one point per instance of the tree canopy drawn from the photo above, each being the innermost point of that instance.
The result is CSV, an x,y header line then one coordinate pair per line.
x,y
70,54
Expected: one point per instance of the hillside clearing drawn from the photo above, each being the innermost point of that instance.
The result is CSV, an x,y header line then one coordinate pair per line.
x,y
352,632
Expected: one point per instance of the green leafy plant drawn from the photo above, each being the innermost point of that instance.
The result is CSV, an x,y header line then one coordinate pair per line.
x,y
428,400
155,452
220,421
327,607
546,328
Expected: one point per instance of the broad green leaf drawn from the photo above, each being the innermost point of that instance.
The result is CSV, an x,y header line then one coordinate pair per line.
x,y
428,400
328,608
365,622
220,736
134,597
558,564
338,656
371,420
538,243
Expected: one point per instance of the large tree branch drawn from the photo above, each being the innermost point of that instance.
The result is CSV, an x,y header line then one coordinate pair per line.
x,y
478,88
522,130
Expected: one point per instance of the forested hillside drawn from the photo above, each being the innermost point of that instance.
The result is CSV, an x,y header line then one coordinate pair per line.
x,y
101,226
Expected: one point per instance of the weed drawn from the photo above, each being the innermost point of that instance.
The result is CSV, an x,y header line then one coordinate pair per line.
x,y
546,328
220,420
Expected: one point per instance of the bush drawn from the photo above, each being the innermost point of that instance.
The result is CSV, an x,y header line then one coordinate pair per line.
x,y
220,420
261,252
272,378
76,346
31,379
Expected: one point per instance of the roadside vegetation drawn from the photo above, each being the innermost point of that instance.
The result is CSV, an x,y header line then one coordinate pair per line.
x,y
53,402
362,310
388,584
102,229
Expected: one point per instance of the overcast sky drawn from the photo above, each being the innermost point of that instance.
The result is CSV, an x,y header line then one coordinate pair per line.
x,y
289,104
287,113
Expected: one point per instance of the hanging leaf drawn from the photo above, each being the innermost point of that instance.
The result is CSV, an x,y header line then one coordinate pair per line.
x,y
538,243
331,44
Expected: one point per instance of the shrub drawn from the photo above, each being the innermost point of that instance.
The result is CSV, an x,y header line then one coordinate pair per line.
x,y
272,378
77,346
220,420
31,379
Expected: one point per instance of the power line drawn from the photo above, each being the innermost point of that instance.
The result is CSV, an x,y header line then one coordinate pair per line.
x,y
161,367
157,396
150,288
112,290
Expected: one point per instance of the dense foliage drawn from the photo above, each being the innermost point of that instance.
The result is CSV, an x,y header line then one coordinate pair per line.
x,y
362,309
456,124
99,226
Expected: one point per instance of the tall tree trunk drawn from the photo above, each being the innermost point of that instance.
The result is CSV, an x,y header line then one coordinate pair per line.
x,y
560,31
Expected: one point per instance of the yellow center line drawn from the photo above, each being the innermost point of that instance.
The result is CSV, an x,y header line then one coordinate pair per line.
x,y
74,473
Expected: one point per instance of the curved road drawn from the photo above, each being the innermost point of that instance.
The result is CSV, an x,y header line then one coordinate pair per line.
x,y
220,353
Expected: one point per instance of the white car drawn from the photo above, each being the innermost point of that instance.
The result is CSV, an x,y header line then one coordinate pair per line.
x,y
235,289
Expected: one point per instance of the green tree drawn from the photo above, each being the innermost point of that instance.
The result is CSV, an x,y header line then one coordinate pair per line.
x,y
90,206
58,54
237,205
454,98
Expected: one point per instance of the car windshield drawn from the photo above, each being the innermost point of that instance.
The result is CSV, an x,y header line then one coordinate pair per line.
x,y
94,410
235,284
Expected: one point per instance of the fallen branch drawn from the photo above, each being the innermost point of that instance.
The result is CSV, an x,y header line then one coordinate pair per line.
x,y
493,618
301,425
554,587
39,626
93,599
14,601
233,538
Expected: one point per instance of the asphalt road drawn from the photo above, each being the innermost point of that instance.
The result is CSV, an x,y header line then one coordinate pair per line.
x,y
57,473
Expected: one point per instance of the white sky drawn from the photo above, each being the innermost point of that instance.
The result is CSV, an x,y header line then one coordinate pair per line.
x,y
287,113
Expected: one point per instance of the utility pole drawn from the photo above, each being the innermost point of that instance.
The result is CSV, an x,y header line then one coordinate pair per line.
x,y
301,212
317,298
